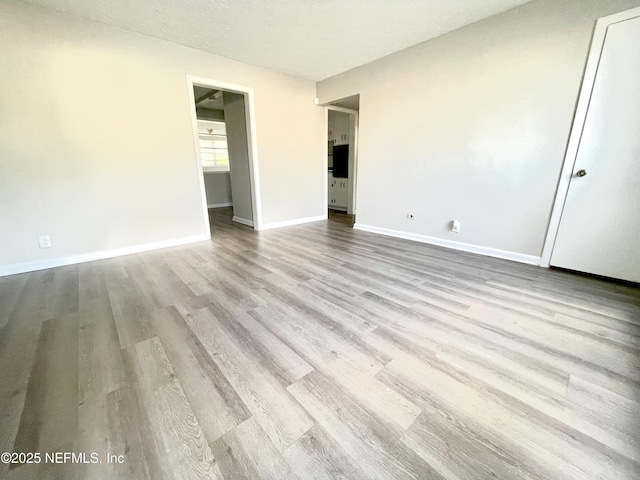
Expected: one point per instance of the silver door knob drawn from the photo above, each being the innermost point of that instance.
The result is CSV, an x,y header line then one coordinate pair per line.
x,y
581,173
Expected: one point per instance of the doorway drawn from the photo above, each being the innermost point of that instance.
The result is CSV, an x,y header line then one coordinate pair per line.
x,y
342,154
224,136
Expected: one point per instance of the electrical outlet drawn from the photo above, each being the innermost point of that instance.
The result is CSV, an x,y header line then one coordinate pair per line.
x,y
455,226
44,241
411,216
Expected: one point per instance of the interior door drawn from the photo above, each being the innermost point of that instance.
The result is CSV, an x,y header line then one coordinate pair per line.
x,y
600,226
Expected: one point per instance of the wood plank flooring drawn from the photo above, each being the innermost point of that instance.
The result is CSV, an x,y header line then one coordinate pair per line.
x,y
319,352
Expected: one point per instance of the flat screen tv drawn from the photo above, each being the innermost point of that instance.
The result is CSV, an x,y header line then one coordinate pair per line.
x,y
341,161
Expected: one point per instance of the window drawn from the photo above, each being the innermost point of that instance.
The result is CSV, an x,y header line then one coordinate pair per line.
x,y
212,138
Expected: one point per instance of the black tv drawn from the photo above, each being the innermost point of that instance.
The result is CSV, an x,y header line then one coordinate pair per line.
x,y
341,161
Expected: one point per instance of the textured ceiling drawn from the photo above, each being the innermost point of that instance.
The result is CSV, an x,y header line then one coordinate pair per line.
x,y
313,39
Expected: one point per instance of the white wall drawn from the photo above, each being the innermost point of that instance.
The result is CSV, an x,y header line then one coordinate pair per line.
x,y
218,188
80,161
236,122
472,125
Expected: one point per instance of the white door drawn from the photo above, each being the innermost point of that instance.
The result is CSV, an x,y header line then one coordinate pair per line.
x,y
332,191
341,192
600,227
341,128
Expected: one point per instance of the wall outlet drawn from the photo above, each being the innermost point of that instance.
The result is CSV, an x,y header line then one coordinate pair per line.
x,y
411,216
455,226
44,241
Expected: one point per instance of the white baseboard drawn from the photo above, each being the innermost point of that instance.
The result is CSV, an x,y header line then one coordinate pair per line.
x,y
219,205
243,221
290,223
89,257
465,247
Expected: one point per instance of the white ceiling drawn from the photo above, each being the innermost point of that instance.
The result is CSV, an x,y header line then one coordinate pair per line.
x,y
313,39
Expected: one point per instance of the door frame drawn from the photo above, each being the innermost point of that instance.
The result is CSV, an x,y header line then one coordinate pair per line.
x,y
247,92
351,206
579,119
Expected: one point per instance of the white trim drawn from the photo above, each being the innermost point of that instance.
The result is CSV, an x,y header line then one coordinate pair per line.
x,y
326,159
100,255
220,205
253,159
354,188
196,145
243,221
579,119
215,170
290,223
250,112
465,247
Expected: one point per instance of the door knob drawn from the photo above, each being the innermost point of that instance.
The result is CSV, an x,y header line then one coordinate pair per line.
x,y
581,173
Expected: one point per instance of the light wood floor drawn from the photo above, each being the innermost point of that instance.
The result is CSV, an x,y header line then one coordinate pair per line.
x,y
319,352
